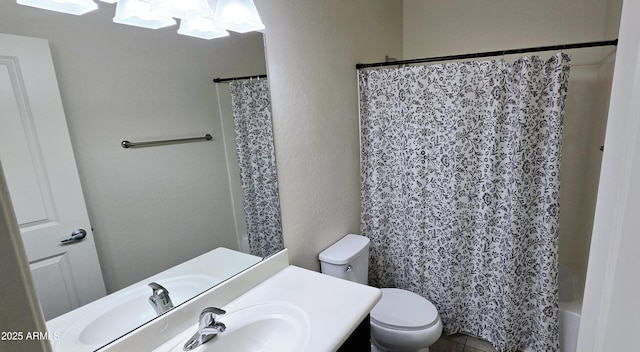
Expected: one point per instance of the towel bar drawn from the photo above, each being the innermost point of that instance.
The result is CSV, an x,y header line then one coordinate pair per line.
x,y
127,144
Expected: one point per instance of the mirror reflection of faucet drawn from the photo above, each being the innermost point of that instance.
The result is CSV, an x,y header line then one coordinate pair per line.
x,y
160,300
208,328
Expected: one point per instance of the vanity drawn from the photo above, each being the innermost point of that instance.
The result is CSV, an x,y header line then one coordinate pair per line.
x,y
272,306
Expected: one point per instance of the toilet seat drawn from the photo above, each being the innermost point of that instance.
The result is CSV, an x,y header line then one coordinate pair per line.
x,y
404,310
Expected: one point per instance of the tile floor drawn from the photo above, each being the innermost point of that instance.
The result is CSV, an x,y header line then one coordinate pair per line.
x,y
461,343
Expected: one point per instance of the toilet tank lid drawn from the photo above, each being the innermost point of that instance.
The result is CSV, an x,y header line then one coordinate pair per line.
x,y
345,250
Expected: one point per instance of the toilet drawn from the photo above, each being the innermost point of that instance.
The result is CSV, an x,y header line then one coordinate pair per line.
x,y
401,320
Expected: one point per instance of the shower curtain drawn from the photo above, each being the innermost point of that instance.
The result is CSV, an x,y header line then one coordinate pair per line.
x,y
460,192
257,161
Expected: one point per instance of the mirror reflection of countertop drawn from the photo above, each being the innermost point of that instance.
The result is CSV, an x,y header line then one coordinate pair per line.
x,y
106,319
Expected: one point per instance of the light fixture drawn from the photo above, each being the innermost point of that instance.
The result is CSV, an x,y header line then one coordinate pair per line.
x,y
205,19
137,13
237,15
183,9
72,7
201,28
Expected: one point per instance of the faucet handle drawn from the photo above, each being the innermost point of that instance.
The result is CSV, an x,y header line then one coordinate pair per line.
x,y
208,321
209,315
212,310
158,290
160,294
159,299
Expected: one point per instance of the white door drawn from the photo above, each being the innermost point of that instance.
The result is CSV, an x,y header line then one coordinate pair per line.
x,y
43,181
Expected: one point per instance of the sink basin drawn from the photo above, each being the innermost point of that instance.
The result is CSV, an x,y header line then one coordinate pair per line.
x,y
123,311
266,327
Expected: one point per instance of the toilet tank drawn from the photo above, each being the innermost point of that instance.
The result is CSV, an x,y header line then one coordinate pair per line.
x,y
347,259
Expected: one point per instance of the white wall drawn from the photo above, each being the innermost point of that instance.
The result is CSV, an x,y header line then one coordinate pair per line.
x,y
312,49
155,207
575,241
583,135
440,27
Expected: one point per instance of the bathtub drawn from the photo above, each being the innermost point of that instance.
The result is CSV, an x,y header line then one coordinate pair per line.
x,y
570,306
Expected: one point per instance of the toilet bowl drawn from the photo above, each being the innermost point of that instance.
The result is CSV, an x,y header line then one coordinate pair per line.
x,y
404,321
401,320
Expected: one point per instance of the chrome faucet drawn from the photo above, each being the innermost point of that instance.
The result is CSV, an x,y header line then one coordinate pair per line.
x,y
160,300
208,328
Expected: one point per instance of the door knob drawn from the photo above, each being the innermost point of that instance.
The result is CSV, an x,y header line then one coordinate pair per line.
x,y
77,235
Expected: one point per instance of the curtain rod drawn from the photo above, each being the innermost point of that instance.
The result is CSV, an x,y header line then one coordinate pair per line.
x,y
613,42
222,80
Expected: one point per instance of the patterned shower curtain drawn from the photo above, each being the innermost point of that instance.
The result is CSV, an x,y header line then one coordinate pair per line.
x,y
256,155
460,192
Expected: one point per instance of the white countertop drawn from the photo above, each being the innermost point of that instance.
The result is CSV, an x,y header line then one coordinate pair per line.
x,y
335,307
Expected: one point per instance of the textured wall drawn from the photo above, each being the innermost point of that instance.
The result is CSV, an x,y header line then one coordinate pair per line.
x,y
155,207
312,48
442,27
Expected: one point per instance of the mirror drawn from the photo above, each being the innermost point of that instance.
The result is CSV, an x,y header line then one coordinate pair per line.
x,y
150,208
